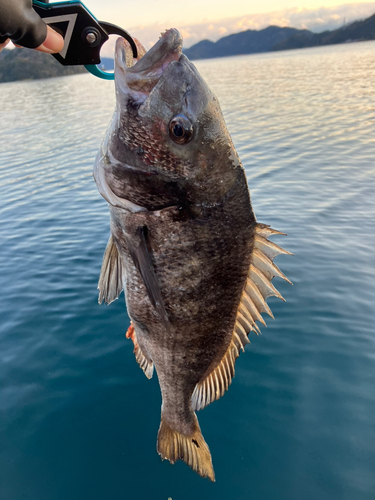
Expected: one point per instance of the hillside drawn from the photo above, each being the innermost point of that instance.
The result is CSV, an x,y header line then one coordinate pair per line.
x,y
357,31
246,42
276,38
26,64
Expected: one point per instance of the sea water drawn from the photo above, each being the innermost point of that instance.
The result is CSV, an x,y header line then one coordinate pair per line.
x,y
78,417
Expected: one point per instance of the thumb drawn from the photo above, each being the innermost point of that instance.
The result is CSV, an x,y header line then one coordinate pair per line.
x,y
4,44
53,42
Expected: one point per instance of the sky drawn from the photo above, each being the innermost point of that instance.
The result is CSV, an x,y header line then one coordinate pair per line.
x,y
213,19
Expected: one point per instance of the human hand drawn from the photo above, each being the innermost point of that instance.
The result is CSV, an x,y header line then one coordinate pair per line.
x,y
20,23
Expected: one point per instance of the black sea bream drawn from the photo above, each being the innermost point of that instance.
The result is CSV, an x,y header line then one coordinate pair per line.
x,y
185,246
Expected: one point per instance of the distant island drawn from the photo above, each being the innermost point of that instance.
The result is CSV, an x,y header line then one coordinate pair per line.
x,y
28,64
275,38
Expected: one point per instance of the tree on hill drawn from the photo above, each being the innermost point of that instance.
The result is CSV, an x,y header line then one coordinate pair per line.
x,y
26,64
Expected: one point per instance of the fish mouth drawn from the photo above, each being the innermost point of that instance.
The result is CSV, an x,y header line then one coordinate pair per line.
x,y
137,77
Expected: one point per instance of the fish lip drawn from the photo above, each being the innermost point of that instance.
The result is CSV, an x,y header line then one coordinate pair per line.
x,y
169,43
139,79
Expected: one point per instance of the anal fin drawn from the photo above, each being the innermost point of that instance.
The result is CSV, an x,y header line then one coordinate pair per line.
x,y
257,289
110,281
144,361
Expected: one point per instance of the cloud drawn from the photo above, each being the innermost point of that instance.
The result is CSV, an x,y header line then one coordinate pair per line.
x,y
185,34
321,19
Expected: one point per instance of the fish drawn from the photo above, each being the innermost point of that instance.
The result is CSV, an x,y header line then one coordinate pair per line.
x,y
185,246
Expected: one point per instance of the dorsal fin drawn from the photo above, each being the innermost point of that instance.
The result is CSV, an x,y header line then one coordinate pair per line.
x,y
110,281
257,289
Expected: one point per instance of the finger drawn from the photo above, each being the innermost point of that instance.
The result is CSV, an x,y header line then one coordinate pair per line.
x,y
4,44
53,43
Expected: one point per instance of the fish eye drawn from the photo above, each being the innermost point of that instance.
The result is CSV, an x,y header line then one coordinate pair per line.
x,y
180,129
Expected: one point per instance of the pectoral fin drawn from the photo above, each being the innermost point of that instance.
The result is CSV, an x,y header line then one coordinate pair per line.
x,y
110,280
143,262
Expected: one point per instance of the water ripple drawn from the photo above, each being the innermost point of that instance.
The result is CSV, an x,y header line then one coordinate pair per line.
x,y
297,422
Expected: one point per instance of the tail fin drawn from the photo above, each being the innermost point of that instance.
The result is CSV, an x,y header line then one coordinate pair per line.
x,y
193,449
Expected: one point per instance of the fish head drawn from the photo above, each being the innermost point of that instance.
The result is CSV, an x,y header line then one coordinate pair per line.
x,y
168,140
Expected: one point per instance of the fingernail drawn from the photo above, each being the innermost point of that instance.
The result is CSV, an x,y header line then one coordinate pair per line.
x,y
53,42
4,44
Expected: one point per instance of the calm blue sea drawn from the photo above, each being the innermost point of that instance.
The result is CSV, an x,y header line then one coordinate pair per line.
x,y
78,418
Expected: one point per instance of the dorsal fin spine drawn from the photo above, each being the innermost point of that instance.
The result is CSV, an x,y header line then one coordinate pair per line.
x,y
252,308
217,385
265,230
228,367
269,248
246,324
222,383
245,313
258,299
241,333
264,285
268,268
231,366
238,340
